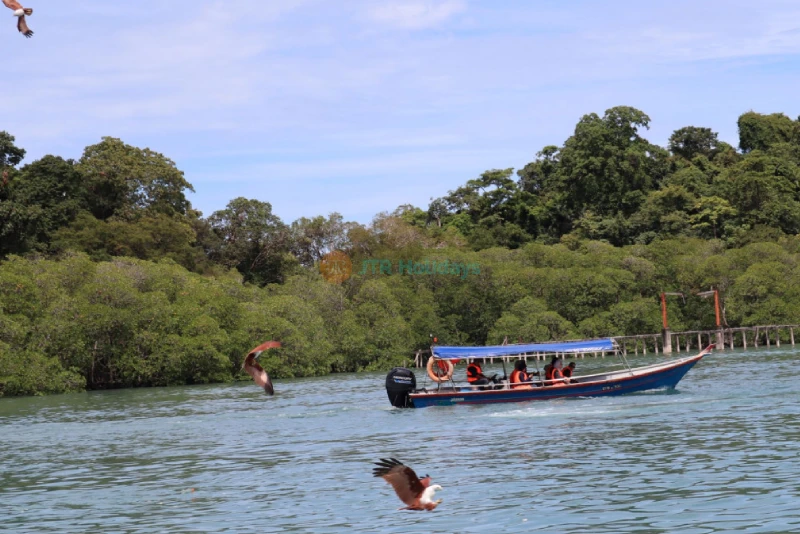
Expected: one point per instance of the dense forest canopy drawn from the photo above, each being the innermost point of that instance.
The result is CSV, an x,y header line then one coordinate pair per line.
x,y
109,277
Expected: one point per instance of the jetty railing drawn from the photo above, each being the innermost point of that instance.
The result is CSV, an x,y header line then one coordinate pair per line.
x,y
742,336
668,342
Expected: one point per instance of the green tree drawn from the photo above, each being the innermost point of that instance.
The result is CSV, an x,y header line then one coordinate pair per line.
x,y
764,295
539,175
485,210
760,132
123,179
437,211
47,195
147,237
251,239
315,237
693,179
692,141
638,316
666,211
764,190
607,166
529,320
411,214
379,336
710,214
10,154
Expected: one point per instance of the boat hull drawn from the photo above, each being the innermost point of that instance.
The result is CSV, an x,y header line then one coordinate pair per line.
x,y
662,376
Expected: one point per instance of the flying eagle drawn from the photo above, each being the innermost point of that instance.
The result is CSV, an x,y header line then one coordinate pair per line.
x,y
415,493
252,367
20,12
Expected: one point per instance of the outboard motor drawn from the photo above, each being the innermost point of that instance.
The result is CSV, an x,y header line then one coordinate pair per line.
x,y
399,383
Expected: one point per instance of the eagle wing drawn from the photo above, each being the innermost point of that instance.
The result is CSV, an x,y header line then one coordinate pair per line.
x,y
12,4
265,346
22,26
254,369
403,479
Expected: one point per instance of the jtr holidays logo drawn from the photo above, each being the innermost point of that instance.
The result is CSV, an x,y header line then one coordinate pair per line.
x,y
336,267
420,267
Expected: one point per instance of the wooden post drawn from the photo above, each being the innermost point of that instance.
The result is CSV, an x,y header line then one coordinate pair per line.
x,y
644,345
767,336
744,338
777,338
678,342
756,338
791,333
699,342
666,337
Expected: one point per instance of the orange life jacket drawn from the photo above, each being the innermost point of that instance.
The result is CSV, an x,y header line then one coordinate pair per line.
x,y
567,372
556,374
517,377
473,372
548,375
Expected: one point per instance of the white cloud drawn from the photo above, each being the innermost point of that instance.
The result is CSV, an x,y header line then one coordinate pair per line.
x,y
415,14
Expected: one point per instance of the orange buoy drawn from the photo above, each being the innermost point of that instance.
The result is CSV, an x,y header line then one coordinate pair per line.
x,y
442,371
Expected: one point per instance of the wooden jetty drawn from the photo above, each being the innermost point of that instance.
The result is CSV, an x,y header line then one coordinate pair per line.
x,y
668,342
724,338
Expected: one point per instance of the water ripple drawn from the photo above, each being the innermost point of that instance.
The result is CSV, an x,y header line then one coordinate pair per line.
x,y
719,455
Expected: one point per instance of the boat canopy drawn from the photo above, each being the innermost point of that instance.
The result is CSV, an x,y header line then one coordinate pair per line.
x,y
458,353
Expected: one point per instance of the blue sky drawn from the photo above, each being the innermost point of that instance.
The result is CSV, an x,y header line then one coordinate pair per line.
x,y
361,106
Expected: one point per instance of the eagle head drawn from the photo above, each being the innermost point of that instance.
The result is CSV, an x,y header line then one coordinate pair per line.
x,y
19,12
427,495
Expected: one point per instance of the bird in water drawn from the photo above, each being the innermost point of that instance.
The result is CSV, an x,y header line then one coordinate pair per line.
x,y
416,493
20,12
255,370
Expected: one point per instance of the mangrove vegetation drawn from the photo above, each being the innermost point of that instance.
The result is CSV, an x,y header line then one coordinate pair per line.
x,y
109,278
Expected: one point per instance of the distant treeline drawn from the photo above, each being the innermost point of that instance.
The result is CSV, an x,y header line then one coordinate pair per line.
x,y
109,278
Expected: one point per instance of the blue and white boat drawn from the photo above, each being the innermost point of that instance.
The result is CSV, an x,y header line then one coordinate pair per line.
x,y
403,392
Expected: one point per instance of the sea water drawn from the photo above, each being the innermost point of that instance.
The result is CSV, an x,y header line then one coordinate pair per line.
x,y
720,454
